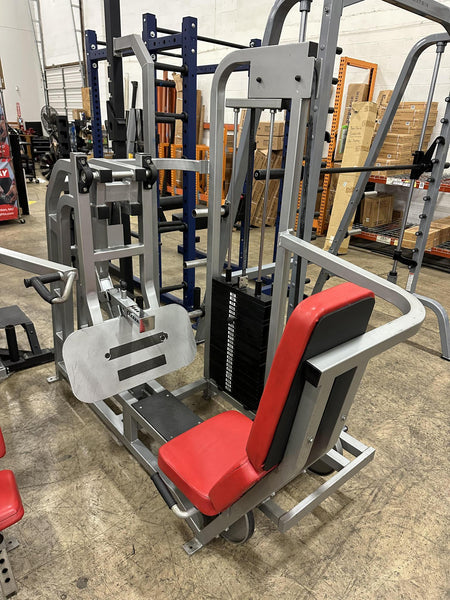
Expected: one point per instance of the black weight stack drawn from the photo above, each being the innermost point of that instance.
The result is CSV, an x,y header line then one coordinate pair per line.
x,y
239,334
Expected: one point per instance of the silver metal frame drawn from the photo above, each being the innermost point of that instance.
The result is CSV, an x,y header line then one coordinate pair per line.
x,y
354,354
430,199
8,585
92,253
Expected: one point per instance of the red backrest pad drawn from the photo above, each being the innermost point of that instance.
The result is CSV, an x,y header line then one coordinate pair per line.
x,y
289,353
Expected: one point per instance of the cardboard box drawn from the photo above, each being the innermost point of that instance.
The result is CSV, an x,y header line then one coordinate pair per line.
x,y
376,209
262,142
414,123
434,238
391,163
86,99
444,226
418,115
359,139
405,112
260,162
77,113
412,105
413,127
408,145
403,157
356,92
384,97
264,128
397,216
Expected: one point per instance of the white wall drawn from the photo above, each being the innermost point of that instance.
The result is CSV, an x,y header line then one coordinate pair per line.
x,y
20,61
372,30
58,31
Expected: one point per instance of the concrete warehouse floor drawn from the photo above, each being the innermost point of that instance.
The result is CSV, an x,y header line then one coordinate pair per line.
x,y
96,529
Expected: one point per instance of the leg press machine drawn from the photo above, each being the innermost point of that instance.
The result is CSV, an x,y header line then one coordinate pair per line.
x,y
112,345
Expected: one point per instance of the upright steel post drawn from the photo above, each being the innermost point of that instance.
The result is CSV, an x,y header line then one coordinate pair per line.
x,y
92,74
424,227
189,53
331,16
439,51
232,184
117,123
115,104
264,211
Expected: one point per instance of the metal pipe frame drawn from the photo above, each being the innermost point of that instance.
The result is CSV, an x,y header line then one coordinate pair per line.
x,y
134,43
402,82
91,238
332,12
264,62
353,354
431,196
33,264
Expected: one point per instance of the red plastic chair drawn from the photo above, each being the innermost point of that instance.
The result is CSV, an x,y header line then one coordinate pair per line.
x,y
11,511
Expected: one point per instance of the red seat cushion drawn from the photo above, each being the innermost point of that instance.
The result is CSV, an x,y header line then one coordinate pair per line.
x,y
11,509
209,463
2,445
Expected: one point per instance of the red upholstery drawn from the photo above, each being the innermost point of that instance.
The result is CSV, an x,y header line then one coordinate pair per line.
x,y
287,358
2,445
11,509
216,462
209,464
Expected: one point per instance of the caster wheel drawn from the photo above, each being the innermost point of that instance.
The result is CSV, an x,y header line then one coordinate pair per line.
x,y
241,531
320,467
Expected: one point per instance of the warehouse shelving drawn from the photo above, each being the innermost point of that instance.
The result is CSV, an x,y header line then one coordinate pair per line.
x,y
388,234
321,222
404,181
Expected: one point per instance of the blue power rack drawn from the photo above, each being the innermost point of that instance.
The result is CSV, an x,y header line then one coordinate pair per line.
x,y
161,41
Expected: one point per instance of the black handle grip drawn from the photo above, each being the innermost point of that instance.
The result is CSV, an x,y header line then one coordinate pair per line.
x,y
38,283
162,488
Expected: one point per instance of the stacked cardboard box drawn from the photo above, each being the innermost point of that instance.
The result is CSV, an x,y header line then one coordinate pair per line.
x,y
200,114
384,97
357,146
258,190
404,135
263,132
332,187
376,209
86,100
356,92
439,233
228,162
262,135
